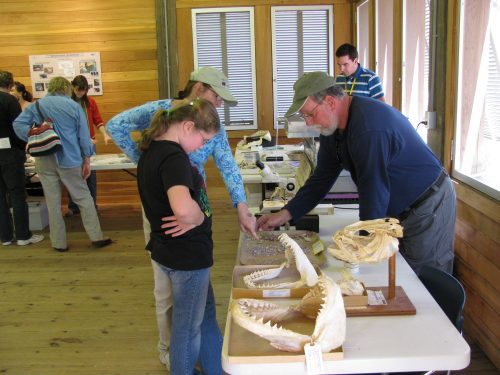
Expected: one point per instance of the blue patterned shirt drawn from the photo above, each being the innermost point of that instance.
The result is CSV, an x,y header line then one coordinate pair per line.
x,y
363,82
139,118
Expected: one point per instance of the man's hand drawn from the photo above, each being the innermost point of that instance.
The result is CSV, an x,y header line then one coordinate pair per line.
x,y
271,221
247,220
86,168
174,227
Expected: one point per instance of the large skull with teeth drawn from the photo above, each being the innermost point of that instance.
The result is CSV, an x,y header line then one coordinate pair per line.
x,y
323,303
369,241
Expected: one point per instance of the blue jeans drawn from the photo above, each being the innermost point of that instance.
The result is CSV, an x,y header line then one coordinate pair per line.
x,y
12,185
92,184
194,332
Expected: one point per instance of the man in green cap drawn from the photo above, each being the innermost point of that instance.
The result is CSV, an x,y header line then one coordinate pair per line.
x,y
397,175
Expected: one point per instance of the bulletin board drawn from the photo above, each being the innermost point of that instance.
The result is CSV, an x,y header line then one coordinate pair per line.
x,y
68,65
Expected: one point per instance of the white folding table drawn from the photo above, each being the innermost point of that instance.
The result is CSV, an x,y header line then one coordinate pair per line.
x,y
425,341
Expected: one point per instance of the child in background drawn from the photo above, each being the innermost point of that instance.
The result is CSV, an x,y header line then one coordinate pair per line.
x,y
94,119
170,186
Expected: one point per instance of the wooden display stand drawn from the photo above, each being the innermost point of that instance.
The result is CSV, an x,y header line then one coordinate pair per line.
x,y
398,302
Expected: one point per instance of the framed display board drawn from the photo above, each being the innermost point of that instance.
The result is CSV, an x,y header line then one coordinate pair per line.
x,y
45,67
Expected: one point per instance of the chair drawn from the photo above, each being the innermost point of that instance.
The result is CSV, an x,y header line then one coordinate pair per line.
x,y
448,293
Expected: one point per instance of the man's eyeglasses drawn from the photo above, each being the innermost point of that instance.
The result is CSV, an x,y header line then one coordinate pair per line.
x,y
307,116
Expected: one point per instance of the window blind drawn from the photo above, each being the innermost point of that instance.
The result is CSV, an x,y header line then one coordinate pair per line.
x,y
224,40
302,40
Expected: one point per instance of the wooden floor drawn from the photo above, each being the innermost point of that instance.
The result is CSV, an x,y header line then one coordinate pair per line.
x,y
91,311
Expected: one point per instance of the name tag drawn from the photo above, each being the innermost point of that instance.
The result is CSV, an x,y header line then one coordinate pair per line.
x,y
4,143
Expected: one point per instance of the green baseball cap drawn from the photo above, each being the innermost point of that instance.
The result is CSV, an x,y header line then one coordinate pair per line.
x,y
308,84
217,80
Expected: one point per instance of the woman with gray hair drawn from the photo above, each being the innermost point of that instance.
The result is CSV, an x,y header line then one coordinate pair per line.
x,y
69,166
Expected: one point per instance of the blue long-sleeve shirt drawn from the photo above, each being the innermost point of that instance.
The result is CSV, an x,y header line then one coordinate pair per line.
x,y
70,124
386,157
139,118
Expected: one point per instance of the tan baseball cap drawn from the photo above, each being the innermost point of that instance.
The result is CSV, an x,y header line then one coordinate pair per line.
x,y
308,84
217,80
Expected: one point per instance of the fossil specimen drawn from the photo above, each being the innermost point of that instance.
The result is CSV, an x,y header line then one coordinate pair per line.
x,y
369,241
323,303
267,250
293,253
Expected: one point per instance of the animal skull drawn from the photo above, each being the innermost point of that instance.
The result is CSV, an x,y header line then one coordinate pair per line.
x,y
308,275
323,303
350,286
380,243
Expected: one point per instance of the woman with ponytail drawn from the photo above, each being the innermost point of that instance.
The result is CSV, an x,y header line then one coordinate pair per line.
x,y
94,120
22,95
171,187
212,85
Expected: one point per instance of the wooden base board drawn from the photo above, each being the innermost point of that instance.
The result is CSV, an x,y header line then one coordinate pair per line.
x,y
399,305
245,347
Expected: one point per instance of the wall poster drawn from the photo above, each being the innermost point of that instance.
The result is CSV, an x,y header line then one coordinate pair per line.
x,y
45,67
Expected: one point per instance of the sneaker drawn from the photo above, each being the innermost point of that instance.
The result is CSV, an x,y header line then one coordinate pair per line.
x,y
165,359
7,243
34,239
101,243
61,249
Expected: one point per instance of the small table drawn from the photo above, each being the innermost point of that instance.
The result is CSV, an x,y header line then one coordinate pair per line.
x,y
101,162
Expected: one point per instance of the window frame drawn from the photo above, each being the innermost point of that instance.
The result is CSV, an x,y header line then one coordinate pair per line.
x,y
251,11
276,118
467,179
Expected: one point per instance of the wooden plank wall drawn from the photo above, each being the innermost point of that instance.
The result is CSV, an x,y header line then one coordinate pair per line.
x,y
477,265
123,31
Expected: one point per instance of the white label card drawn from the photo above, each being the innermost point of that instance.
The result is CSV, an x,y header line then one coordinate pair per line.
x,y
4,143
276,293
314,359
376,298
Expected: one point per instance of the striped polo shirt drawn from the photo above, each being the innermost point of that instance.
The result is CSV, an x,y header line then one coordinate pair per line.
x,y
363,82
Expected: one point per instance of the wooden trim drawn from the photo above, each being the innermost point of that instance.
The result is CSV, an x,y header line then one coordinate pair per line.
x,y
397,54
245,3
452,41
373,35
342,29
173,67
162,49
263,69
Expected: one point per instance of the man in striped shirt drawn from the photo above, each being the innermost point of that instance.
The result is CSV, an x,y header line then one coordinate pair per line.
x,y
356,80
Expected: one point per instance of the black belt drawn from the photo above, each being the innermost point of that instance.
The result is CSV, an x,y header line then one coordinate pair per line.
x,y
426,194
